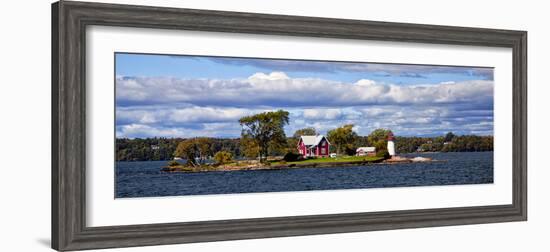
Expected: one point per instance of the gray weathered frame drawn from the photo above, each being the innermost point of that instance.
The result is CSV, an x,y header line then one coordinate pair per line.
x,y
69,20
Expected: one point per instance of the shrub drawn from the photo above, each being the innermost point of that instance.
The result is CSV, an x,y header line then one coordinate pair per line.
x,y
291,156
350,150
173,163
383,153
223,157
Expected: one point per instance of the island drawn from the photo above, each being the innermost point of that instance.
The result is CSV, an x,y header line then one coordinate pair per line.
x,y
243,165
312,151
264,145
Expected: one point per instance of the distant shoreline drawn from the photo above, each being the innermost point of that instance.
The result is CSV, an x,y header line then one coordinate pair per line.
x,y
160,149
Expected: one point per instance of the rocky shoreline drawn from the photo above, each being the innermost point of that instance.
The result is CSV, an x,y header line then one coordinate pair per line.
x,y
249,167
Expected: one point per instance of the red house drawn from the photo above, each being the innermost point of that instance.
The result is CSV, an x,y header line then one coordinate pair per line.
x,y
313,146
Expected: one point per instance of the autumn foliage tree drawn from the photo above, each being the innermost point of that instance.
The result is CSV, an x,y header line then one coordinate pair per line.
x,y
195,150
248,147
265,131
223,157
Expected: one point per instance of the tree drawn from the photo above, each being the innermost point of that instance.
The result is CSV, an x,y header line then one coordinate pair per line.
x,y
203,145
449,137
150,149
248,147
223,157
383,154
194,149
189,150
343,138
380,145
310,131
266,130
378,134
378,138
292,144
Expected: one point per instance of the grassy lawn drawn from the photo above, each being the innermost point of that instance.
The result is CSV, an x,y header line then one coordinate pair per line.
x,y
240,165
332,160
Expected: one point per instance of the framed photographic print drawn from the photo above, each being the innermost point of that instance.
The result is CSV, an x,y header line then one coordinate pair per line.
x,y
178,125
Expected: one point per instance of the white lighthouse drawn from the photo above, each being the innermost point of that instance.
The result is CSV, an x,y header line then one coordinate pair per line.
x,y
391,145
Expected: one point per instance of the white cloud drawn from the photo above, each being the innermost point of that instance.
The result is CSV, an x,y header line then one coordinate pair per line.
x,y
193,114
174,107
141,130
365,83
269,77
208,114
207,130
223,122
277,89
140,115
322,114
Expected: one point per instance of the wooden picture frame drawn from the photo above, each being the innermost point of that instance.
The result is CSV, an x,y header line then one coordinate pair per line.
x,y
69,20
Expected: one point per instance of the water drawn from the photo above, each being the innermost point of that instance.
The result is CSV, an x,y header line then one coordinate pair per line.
x,y
144,179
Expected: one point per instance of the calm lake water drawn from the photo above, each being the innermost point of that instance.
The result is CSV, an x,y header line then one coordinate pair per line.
x,y
144,179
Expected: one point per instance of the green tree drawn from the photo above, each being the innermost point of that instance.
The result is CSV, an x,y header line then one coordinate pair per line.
x,y
378,134
427,147
310,131
380,145
148,149
292,145
383,154
449,137
343,138
223,157
266,130
378,138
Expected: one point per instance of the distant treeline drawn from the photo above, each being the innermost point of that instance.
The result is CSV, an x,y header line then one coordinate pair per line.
x,y
153,149
447,143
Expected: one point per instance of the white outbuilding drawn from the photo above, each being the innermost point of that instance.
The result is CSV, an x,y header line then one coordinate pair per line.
x,y
365,151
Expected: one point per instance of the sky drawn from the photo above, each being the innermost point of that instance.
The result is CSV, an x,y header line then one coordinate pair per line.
x,y
192,96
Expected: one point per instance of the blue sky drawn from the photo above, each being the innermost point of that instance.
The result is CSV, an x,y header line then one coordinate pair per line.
x,y
188,96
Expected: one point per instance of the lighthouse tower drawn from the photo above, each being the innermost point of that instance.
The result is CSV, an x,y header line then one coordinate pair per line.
x,y
391,145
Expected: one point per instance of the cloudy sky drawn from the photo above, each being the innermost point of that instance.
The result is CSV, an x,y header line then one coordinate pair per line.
x,y
189,96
